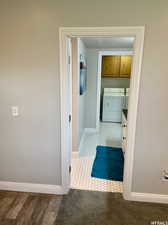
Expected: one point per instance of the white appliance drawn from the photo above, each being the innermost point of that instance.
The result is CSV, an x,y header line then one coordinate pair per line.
x,y
113,103
126,98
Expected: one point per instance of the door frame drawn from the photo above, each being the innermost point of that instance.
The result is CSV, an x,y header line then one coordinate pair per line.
x,y
69,32
99,77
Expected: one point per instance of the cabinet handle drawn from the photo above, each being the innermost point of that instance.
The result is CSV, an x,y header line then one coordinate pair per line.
x,y
124,138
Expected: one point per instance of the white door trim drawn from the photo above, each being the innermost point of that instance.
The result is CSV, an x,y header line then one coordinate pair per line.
x,y
66,32
100,54
98,91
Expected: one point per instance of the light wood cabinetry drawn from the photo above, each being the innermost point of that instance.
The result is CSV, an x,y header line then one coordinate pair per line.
x,y
116,66
125,66
111,66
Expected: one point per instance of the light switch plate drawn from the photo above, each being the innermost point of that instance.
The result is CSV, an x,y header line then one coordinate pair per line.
x,y
165,175
15,111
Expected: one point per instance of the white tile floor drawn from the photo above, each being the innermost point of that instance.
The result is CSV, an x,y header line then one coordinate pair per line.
x,y
109,135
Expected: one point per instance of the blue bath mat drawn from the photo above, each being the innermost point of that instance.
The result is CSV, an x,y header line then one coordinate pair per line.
x,y
108,163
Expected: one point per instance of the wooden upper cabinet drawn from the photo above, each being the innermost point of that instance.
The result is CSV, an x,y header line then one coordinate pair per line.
x,y
125,67
110,66
116,66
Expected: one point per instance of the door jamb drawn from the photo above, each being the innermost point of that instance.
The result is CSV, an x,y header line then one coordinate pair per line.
x,y
64,33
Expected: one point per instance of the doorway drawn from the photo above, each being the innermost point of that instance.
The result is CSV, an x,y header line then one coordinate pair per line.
x,y
114,74
138,33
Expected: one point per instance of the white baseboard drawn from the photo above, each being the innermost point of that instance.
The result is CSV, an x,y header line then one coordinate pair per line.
x,y
81,141
147,197
86,130
90,130
30,187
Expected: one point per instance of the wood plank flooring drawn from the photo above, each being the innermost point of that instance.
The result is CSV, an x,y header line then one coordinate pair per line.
x,y
17,208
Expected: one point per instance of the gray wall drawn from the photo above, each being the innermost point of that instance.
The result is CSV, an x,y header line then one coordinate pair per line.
x,y
29,78
91,94
114,83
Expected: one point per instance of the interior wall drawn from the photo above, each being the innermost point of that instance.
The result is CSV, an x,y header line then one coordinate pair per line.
x,y
91,94
114,83
29,78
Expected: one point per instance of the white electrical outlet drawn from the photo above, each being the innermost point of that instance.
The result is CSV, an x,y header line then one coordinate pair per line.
x,y
165,175
15,111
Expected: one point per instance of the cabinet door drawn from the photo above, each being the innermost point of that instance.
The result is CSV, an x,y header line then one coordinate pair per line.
x,y
125,67
110,66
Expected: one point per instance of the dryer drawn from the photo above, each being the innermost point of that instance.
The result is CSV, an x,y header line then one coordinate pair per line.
x,y
113,103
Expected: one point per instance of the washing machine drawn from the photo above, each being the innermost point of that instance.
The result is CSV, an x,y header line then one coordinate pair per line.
x,y
113,103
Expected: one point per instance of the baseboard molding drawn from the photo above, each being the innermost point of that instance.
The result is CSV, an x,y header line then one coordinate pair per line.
x,y
86,130
147,197
81,141
90,130
30,187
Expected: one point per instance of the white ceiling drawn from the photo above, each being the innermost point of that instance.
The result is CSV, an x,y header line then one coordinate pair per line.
x,y
113,42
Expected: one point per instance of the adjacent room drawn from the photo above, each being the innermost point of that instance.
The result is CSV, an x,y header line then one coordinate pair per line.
x,y
101,90
83,112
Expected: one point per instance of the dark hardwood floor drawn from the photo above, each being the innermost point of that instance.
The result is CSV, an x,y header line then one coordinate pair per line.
x,y
18,208
79,207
